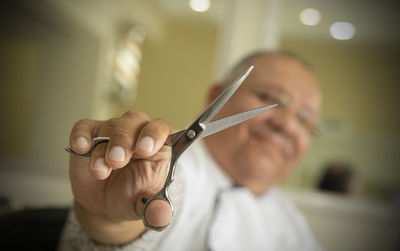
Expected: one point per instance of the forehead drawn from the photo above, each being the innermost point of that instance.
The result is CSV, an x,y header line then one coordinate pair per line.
x,y
289,75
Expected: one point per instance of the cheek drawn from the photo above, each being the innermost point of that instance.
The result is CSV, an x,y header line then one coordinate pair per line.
x,y
240,103
302,146
232,140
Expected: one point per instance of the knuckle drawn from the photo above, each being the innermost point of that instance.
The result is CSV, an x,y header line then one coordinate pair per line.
x,y
164,122
112,121
159,120
79,128
81,123
160,124
121,133
132,114
105,129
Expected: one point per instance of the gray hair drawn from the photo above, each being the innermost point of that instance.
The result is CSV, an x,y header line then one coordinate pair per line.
x,y
246,61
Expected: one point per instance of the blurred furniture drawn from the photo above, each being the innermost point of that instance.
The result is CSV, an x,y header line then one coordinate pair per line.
x,y
349,223
32,228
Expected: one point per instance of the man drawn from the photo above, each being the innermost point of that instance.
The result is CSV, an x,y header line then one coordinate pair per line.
x,y
224,188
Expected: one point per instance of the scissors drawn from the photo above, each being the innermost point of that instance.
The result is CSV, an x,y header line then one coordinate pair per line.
x,y
181,140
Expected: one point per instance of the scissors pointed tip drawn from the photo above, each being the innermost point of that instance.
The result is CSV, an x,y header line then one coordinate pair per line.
x,y
249,70
215,106
264,108
267,107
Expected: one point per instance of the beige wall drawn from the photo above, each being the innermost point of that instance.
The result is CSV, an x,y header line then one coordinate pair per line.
x,y
19,64
359,82
47,73
176,72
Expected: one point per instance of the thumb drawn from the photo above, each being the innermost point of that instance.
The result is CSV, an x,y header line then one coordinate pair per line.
x,y
158,213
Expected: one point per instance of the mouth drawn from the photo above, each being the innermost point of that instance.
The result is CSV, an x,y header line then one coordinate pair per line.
x,y
271,138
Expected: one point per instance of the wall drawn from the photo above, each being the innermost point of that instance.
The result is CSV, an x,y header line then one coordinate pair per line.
x,y
47,74
176,72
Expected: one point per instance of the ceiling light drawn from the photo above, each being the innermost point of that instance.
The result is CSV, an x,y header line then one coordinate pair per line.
x,y
199,5
342,30
310,16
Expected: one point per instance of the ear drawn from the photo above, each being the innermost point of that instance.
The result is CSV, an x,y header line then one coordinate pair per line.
x,y
213,92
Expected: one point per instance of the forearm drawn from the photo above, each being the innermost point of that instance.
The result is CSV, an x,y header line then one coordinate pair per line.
x,y
98,228
92,233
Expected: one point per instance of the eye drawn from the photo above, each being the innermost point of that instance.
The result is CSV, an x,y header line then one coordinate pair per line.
x,y
307,122
266,97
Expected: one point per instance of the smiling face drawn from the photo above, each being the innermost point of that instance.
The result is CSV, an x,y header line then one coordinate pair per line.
x,y
260,152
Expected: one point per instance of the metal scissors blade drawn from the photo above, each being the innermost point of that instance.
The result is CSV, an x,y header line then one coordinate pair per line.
x,y
219,102
221,124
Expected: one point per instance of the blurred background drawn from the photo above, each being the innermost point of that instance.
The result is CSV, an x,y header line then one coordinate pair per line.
x,y
64,60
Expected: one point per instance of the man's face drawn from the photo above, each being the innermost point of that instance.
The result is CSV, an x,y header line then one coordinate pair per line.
x,y
260,152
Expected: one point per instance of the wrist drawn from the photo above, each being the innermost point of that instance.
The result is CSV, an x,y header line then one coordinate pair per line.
x,y
99,228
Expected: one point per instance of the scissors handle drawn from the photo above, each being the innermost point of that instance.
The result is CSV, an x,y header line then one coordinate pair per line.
x,y
163,194
95,142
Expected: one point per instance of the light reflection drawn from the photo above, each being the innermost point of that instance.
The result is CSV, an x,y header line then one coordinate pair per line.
x,y
310,16
199,5
127,65
342,30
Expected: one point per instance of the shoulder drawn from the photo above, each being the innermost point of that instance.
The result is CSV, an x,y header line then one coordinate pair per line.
x,y
294,218
286,205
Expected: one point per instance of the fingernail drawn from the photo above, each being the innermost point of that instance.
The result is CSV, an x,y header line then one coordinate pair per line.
x,y
117,153
82,142
146,144
100,165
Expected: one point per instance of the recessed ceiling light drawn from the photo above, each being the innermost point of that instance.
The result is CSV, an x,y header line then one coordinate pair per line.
x,y
310,16
199,5
342,30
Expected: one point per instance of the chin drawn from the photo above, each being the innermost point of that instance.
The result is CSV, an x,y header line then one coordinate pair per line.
x,y
257,164
261,170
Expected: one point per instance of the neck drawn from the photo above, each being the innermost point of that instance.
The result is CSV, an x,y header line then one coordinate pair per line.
x,y
227,165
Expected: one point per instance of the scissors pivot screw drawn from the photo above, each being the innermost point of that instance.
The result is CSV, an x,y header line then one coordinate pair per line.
x,y
191,134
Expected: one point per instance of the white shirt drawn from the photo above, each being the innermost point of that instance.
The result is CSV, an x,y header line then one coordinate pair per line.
x,y
215,215
212,214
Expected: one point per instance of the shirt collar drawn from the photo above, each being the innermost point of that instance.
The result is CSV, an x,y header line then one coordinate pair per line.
x,y
219,176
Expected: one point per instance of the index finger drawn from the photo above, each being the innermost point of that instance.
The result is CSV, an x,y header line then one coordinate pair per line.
x,y
81,136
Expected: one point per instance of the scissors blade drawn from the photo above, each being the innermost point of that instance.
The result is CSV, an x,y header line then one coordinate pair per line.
x,y
217,104
226,122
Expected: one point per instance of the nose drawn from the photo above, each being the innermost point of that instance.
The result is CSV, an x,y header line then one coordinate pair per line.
x,y
283,121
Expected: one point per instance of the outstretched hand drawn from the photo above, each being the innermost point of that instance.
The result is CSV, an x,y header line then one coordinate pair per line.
x,y
108,189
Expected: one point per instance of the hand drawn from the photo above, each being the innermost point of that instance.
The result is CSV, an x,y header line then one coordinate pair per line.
x,y
108,201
